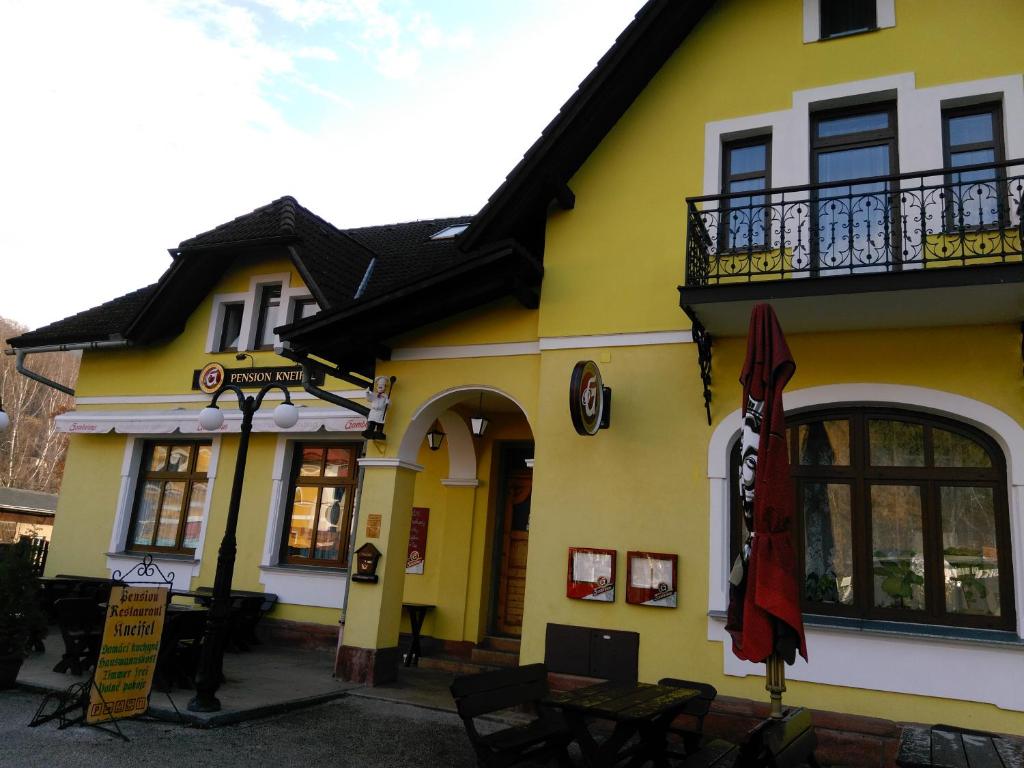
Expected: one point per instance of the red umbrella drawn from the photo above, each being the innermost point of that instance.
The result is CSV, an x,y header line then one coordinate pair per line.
x,y
764,595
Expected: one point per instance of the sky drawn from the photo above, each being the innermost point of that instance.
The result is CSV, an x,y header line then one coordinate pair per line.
x,y
130,126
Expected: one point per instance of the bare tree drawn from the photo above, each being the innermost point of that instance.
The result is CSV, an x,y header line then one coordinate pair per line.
x,y
32,451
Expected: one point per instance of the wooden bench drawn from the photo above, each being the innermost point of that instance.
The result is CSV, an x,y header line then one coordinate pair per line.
x,y
948,747
785,743
544,738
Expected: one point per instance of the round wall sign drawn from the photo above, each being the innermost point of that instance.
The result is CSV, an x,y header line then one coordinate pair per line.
x,y
211,378
586,397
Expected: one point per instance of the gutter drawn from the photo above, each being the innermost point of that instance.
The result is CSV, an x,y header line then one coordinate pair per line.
x,y
22,353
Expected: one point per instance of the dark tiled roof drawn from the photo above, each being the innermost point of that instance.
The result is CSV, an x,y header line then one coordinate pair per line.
x,y
405,252
333,262
28,501
274,220
96,324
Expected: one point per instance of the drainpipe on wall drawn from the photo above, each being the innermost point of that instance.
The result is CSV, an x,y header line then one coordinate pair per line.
x,y
23,352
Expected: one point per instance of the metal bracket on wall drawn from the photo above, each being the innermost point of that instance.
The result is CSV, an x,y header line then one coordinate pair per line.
x,y
703,340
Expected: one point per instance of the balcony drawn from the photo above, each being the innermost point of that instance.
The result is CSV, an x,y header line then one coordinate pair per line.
x,y
833,256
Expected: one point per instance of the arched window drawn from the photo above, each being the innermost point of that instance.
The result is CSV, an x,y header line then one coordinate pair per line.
x,y
900,517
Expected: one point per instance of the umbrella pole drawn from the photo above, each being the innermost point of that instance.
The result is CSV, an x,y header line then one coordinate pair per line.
x,y
775,683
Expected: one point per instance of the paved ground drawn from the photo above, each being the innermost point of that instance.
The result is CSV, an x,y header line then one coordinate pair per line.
x,y
352,731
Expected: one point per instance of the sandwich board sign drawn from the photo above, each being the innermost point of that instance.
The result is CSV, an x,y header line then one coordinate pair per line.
x,y
127,660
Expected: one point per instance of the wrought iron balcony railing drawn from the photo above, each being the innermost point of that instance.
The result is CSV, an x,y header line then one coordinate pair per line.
x,y
946,217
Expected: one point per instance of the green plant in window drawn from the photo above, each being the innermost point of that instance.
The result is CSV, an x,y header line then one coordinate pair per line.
x,y
898,579
821,587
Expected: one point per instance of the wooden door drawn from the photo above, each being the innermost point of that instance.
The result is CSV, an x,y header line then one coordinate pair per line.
x,y
515,543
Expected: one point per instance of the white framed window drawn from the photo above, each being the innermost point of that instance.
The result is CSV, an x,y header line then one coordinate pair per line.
x,y
829,19
293,583
184,564
884,656
244,322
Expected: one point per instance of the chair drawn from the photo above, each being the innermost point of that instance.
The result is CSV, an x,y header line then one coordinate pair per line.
x,y
81,626
543,738
697,708
180,645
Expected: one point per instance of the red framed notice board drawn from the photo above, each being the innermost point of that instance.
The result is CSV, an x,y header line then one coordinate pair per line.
x,y
591,574
651,579
417,540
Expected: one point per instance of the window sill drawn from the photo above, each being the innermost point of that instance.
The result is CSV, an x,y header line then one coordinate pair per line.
x,y
926,632
185,559
299,570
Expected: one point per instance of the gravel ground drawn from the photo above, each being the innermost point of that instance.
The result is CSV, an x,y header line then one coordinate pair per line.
x,y
346,732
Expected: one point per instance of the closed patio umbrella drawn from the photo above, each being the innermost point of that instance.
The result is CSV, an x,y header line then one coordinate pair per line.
x,y
764,595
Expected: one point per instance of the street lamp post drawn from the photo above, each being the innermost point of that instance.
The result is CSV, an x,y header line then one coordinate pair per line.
x,y
208,675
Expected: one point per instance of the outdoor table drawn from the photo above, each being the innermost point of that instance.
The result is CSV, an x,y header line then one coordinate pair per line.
x,y
417,613
946,747
636,709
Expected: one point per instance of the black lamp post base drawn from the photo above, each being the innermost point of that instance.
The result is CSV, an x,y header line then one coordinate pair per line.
x,y
204,704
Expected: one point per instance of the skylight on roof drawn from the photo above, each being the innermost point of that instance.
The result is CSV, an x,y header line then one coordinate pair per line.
x,y
450,232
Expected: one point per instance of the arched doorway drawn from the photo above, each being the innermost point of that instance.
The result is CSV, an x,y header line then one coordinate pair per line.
x,y
489,544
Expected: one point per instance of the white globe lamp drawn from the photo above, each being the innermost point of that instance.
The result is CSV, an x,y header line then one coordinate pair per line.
x,y
211,419
5,421
286,416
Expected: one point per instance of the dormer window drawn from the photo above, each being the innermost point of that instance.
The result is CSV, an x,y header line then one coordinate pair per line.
x,y
245,321
231,327
303,308
270,302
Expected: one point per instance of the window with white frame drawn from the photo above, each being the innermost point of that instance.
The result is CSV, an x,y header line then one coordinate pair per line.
x,y
828,19
246,321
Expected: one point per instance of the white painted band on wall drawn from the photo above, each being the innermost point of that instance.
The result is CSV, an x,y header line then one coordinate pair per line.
x,y
372,463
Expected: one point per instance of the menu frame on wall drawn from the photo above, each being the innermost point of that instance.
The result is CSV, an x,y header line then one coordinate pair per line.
x,y
591,574
660,589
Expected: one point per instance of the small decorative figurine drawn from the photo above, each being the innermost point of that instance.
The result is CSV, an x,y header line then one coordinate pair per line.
x,y
378,395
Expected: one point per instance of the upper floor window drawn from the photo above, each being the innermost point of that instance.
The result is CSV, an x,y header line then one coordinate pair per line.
x,y
745,168
170,497
319,512
231,327
853,222
899,517
845,17
304,308
244,321
973,136
270,301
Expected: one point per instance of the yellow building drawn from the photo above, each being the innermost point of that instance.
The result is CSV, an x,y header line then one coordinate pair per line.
x,y
854,164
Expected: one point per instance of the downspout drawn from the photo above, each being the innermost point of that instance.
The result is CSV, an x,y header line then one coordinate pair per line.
x,y
21,353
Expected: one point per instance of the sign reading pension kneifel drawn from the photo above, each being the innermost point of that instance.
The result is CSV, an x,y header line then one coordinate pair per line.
x,y
214,375
127,660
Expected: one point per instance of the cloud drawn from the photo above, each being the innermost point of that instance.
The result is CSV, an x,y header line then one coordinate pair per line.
x,y
132,125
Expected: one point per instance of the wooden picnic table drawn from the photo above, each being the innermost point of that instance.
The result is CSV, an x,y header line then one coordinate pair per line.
x,y
943,746
636,709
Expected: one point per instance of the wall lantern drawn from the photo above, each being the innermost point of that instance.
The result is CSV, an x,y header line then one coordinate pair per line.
x,y
5,420
478,424
367,557
435,437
